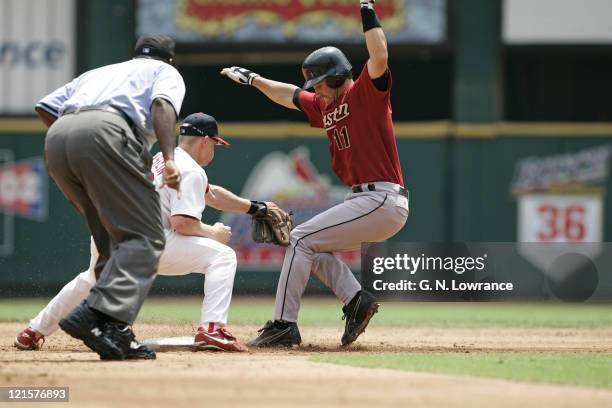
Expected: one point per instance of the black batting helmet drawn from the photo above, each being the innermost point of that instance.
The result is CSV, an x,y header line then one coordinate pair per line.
x,y
327,63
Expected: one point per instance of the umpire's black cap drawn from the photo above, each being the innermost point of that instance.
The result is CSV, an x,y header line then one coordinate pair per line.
x,y
158,46
201,124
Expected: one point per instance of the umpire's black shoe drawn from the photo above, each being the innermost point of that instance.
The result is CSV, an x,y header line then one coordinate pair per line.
x,y
277,333
357,314
123,337
85,324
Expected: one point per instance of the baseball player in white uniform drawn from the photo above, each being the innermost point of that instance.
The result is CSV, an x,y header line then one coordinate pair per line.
x,y
191,246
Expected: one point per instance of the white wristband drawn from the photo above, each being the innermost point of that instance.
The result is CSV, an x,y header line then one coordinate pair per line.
x,y
367,4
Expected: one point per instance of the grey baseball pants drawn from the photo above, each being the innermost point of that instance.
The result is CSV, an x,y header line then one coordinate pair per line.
x,y
371,216
104,170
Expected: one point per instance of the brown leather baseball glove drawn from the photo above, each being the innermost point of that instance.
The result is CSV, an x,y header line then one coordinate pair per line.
x,y
271,224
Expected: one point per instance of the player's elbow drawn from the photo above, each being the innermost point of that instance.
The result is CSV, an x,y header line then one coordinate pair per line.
x,y
211,197
182,224
177,223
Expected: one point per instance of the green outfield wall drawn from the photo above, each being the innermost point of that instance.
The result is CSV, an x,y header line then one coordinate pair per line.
x,y
459,178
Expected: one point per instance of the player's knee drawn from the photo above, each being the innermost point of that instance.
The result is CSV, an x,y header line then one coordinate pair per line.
x,y
232,264
229,256
223,266
297,234
300,238
225,256
300,230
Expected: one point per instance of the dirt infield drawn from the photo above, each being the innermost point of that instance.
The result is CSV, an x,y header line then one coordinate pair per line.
x,y
288,378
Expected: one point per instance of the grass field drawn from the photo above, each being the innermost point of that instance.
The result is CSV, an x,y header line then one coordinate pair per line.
x,y
327,312
588,369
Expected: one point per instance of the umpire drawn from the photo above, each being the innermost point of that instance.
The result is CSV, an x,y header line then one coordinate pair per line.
x,y
101,127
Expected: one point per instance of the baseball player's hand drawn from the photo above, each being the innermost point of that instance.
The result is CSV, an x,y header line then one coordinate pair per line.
x,y
172,176
221,233
241,75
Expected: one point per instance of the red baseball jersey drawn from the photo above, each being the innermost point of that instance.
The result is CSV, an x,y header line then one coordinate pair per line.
x,y
359,127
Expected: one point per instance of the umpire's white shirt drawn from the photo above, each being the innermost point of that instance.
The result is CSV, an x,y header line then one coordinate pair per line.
x,y
131,86
194,184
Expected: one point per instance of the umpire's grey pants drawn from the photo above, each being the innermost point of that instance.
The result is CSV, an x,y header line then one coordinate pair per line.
x,y
105,171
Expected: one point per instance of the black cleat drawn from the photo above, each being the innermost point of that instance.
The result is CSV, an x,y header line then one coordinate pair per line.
x,y
123,336
357,314
277,333
85,324
140,352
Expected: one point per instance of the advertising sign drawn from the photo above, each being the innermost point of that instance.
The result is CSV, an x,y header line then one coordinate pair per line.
x,y
23,192
290,21
560,201
37,51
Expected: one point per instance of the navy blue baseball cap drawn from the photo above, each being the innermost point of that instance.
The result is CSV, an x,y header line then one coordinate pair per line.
x,y
157,46
201,124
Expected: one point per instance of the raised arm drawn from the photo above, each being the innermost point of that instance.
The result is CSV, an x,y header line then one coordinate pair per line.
x,y
375,40
279,92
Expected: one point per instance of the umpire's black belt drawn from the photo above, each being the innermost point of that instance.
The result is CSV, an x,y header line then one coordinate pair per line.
x,y
103,108
396,188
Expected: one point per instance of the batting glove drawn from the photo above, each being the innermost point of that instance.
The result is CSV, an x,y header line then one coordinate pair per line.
x,y
367,3
241,75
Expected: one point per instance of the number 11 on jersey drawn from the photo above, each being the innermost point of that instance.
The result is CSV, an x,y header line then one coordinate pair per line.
x,y
342,138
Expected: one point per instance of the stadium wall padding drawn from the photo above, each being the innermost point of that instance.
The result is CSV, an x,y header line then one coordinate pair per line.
x,y
459,191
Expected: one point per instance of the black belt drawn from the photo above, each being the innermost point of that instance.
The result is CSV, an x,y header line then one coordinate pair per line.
x,y
359,189
371,187
103,108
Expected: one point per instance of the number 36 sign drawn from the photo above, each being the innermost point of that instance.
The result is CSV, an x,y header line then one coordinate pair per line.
x,y
560,218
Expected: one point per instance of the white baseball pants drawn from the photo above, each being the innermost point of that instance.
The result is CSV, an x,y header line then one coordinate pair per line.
x,y
182,255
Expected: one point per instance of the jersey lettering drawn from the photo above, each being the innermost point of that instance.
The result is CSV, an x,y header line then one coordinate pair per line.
x,y
330,119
